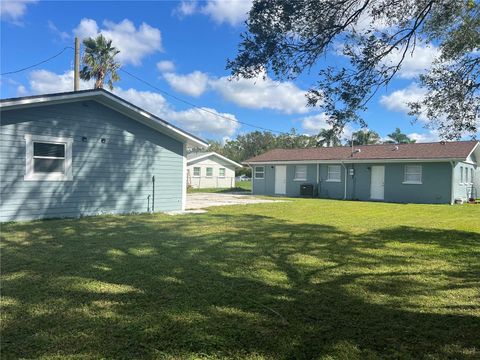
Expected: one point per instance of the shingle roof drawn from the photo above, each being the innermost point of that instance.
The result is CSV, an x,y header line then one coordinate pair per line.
x,y
421,151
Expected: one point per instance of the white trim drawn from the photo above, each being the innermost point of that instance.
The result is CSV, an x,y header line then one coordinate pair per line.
x,y
340,173
206,172
380,161
224,172
255,172
113,102
184,177
452,187
474,148
200,172
295,173
29,159
214,154
412,182
345,186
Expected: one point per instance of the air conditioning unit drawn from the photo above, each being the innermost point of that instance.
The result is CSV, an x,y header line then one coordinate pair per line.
x,y
307,190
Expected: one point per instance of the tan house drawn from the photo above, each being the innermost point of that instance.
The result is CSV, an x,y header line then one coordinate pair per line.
x,y
210,170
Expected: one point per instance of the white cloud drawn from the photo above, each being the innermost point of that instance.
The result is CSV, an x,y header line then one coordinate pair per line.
x,y
195,120
398,100
193,84
314,123
21,90
414,63
200,121
134,44
186,8
45,82
425,137
14,10
262,93
61,34
232,12
166,66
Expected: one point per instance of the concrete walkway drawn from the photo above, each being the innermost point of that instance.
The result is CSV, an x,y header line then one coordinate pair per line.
x,y
197,201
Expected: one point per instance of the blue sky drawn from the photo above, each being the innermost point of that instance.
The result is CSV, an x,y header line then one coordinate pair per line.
x,y
181,48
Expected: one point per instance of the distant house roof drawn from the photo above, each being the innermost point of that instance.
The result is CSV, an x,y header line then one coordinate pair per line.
x,y
455,150
195,156
110,100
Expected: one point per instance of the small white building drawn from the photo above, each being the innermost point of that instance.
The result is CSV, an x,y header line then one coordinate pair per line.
x,y
210,170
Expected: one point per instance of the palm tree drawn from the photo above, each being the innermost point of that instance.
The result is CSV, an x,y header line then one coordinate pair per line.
x,y
99,62
328,137
399,138
364,137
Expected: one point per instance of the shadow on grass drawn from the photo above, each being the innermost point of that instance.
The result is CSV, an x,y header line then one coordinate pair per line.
x,y
235,286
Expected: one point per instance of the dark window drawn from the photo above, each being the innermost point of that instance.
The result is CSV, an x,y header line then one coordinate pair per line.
x,y
48,158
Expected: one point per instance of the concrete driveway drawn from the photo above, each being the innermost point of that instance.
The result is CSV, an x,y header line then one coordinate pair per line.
x,y
196,201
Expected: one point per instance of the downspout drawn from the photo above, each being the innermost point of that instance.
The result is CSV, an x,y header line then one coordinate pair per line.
x,y
452,195
318,179
345,187
251,191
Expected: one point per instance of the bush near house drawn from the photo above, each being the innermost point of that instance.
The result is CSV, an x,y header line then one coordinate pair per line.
x,y
305,278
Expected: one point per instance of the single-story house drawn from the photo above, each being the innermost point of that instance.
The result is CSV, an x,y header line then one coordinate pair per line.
x,y
441,172
210,170
88,152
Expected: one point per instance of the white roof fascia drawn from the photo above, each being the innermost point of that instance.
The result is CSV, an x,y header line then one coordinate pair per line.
x,y
217,155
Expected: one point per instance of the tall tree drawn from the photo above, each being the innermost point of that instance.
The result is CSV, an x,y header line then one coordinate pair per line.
x,y
364,137
99,62
328,137
397,137
288,37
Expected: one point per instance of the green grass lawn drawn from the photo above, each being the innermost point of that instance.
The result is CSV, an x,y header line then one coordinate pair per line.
x,y
304,279
239,186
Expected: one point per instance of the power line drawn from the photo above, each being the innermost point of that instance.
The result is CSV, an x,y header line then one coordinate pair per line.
x,y
196,106
39,63
152,86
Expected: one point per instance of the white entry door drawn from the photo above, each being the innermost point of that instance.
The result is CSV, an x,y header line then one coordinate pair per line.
x,y
280,179
377,183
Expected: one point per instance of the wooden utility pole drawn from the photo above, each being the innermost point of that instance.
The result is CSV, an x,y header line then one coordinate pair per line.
x,y
76,71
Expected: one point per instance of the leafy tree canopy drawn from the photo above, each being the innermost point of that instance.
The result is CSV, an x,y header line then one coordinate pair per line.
x,y
397,137
289,37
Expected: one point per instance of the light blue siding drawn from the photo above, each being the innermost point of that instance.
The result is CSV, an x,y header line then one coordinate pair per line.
x,y
435,188
111,177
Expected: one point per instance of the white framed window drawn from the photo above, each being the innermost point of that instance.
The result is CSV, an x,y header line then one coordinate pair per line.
x,y
48,158
300,173
334,173
413,174
221,172
461,175
259,172
471,176
196,171
209,172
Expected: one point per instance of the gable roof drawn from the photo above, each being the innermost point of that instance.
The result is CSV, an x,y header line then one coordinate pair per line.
x,y
202,155
455,150
110,100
